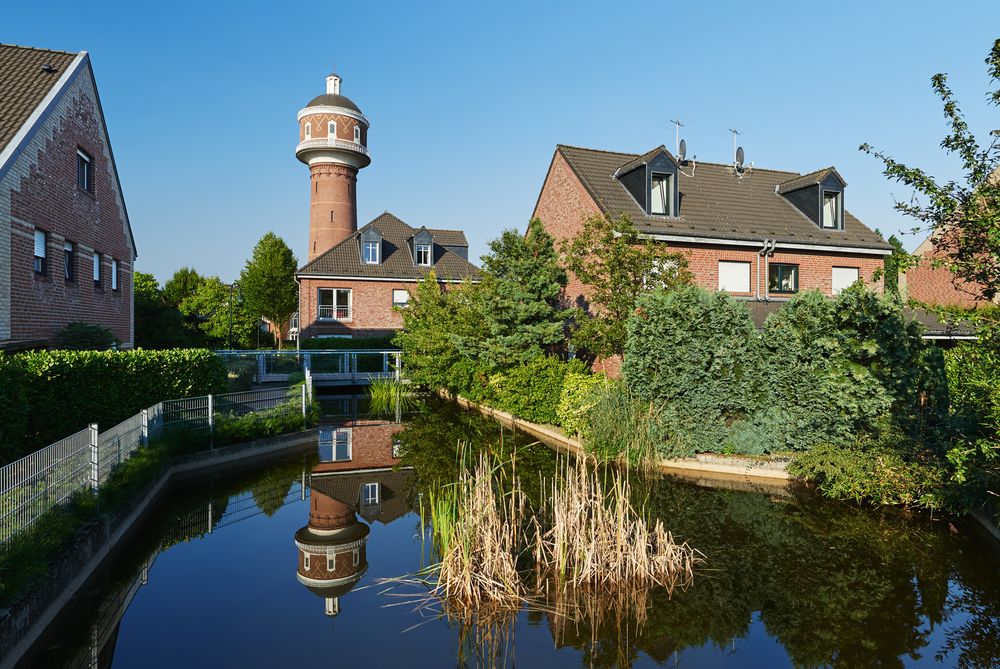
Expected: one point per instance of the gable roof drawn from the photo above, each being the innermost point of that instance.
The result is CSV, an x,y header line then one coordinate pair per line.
x,y
25,84
811,179
715,204
344,259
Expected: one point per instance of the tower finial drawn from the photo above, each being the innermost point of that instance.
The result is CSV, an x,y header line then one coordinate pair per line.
x,y
333,84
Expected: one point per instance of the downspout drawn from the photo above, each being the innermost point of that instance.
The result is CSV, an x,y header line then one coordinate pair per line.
x,y
298,335
767,268
760,255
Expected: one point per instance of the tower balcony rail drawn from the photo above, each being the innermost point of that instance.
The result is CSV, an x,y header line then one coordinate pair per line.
x,y
327,143
330,312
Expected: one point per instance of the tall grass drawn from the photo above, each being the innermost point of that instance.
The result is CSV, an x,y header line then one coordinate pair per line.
x,y
390,397
620,426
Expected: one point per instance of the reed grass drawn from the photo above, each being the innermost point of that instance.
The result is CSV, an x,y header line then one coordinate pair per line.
x,y
390,396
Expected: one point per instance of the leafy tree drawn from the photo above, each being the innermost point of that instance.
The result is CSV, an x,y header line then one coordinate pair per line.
x,y
268,282
964,216
159,323
616,265
213,307
80,336
518,299
183,284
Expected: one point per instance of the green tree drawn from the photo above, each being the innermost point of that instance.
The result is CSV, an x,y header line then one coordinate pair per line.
x,y
963,215
616,265
159,323
518,299
268,282
183,284
213,307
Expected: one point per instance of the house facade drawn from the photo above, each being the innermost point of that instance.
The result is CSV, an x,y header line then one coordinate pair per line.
x,y
760,235
935,285
355,281
66,245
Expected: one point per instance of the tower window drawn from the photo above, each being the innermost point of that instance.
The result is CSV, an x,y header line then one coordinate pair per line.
x,y
305,561
424,254
371,253
331,562
831,210
308,130
661,195
331,130
84,172
357,134
41,246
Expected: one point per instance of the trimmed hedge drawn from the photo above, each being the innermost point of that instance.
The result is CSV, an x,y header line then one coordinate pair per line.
x,y
580,392
532,391
63,391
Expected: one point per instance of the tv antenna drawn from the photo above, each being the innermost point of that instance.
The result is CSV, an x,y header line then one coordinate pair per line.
x,y
682,150
677,135
735,132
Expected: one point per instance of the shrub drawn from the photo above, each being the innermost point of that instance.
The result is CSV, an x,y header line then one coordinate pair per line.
x,y
695,355
13,408
84,337
532,391
617,424
240,374
579,393
66,390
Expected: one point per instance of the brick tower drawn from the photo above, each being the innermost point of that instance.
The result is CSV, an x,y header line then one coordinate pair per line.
x,y
333,142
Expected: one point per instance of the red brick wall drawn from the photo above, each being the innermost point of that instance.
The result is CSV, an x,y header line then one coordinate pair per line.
x,y
937,285
48,198
371,315
320,126
371,448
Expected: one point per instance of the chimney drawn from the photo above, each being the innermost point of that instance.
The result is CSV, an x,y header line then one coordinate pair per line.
x,y
333,85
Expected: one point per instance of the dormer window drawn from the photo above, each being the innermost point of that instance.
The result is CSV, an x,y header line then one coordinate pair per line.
x,y
661,199
371,253
371,246
831,210
424,254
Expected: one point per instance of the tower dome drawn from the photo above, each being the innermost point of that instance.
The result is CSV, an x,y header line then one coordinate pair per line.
x,y
333,141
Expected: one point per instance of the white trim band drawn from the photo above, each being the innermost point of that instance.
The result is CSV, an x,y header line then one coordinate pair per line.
x,y
756,244
327,109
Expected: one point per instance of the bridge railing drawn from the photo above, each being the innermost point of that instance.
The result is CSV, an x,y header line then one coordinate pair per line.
x,y
358,366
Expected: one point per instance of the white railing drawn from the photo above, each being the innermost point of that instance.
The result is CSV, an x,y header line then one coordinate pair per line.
x,y
326,143
49,477
330,312
360,366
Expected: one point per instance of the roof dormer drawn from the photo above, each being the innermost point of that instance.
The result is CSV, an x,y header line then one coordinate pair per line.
x,y
423,248
652,181
819,195
371,246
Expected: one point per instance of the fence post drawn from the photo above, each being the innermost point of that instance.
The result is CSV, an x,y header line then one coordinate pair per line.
x,y
260,368
399,366
303,405
94,457
211,414
144,435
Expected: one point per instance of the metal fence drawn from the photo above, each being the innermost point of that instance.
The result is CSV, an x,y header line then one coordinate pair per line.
x,y
334,366
48,477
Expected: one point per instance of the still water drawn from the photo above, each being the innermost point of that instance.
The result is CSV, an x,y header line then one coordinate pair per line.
x,y
281,567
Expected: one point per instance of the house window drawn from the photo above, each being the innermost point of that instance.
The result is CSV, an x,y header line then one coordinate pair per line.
x,y
114,274
357,134
41,246
831,210
783,278
84,172
371,253
308,130
661,199
331,130
97,269
843,277
734,276
69,261
400,297
335,304
305,561
370,497
424,254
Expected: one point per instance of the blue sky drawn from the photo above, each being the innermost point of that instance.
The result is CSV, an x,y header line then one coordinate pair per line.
x,y
468,100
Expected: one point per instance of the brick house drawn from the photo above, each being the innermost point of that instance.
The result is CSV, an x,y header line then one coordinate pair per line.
x,y
66,245
761,235
353,289
354,279
936,285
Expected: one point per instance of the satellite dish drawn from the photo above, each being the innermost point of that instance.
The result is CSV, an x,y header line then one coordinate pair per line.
x,y
739,157
683,150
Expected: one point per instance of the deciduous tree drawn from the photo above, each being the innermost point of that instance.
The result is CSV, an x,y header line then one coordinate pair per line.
x,y
268,283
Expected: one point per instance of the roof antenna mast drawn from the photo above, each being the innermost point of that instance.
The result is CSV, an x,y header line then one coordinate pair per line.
x,y
735,132
677,135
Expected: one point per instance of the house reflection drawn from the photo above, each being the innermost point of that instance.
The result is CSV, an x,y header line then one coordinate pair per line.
x,y
357,479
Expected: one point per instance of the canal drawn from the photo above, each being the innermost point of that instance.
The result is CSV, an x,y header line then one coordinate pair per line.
x,y
291,565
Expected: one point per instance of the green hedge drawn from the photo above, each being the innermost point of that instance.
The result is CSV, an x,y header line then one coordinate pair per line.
x,y
580,391
532,391
63,391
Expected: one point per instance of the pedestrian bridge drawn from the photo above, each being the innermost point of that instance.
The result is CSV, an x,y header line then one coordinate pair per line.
x,y
332,367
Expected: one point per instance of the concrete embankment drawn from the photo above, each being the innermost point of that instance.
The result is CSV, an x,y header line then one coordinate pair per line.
x,y
23,624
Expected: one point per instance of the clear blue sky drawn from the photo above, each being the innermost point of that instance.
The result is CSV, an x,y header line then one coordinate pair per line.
x,y
467,100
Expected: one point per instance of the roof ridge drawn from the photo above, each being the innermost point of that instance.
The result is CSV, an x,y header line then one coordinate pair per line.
x,y
587,148
639,155
38,48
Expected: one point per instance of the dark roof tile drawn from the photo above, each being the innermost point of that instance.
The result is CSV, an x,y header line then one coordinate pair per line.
x,y
24,84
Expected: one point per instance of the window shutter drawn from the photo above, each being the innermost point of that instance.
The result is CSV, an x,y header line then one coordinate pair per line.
x,y
39,244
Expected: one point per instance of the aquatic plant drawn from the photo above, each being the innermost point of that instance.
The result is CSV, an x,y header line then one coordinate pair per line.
x,y
390,396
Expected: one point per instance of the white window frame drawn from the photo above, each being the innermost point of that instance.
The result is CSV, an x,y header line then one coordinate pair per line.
x,y
331,129
97,269
732,275
403,303
114,274
834,289
366,499
41,252
424,248
331,562
838,213
356,557
305,561
308,130
83,159
669,178
69,261
378,252
357,134
335,308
